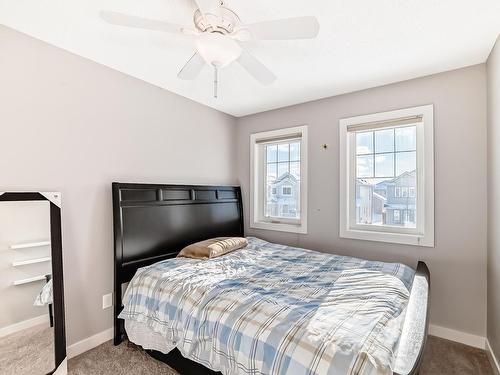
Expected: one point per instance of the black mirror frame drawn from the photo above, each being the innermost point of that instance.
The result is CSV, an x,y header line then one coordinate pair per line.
x,y
54,198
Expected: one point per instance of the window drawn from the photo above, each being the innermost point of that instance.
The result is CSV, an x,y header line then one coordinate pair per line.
x,y
287,190
279,180
387,169
397,216
397,192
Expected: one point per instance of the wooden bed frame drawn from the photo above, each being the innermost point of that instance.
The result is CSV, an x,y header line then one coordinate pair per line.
x,y
154,222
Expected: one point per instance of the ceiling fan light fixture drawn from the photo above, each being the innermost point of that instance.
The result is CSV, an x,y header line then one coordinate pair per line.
x,y
217,34
217,49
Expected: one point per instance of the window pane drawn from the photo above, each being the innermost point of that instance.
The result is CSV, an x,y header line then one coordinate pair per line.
x,y
271,172
364,166
397,216
384,165
404,192
406,138
384,140
405,162
272,153
295,169
283,152
279,177
364,143
282,169
369,203
295,151
386,181
283,199
411,192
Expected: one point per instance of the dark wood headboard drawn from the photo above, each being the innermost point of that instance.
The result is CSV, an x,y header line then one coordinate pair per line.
x,y
154,222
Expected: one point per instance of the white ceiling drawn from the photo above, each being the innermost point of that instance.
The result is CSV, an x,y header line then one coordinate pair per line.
x,y
361,44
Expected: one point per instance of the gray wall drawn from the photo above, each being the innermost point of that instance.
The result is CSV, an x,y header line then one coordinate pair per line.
x,y
70,125
494,199
458,262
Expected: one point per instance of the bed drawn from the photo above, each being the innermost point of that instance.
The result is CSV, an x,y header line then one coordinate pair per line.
x,y
267,308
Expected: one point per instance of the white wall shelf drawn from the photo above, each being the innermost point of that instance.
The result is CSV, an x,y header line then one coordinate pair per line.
x,y
29,280
29,244
30,261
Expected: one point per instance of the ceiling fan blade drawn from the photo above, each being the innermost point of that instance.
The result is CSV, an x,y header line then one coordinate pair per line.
x,y
209,6
122,19
285,29
256,69
192,68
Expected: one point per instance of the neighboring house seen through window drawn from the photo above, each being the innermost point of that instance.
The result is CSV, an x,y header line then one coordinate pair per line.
x,y
279,180
387,174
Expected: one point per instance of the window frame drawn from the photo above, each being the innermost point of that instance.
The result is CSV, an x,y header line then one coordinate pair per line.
x,y
283,191
257,180
423,234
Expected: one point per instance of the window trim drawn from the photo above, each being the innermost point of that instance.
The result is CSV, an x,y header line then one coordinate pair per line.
x,y
423,235
257,173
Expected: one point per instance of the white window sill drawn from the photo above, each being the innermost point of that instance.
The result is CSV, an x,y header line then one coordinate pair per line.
x,y
281,227
399,238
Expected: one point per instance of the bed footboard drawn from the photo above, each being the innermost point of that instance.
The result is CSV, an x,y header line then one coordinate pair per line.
x,y
413,338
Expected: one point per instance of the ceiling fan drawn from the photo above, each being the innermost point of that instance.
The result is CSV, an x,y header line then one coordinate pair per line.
x,y
218,32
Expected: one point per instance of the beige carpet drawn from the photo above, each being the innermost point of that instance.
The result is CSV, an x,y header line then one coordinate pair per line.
x,y
108,359
442,357
448,357
29,352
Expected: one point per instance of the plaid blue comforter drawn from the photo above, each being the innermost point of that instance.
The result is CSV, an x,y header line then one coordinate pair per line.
x,y
274,309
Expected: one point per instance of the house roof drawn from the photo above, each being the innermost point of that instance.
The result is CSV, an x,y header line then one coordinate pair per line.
x,y
392,181
400,206
286,176
381,197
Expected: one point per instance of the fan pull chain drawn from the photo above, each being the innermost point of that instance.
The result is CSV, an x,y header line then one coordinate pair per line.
x,y
216,81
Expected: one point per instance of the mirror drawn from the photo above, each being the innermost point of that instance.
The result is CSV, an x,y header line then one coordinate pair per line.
x,y
32,340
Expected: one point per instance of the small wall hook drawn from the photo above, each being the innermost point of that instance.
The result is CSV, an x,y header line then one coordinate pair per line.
x,y
324,146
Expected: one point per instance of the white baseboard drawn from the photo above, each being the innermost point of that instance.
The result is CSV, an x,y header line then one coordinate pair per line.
x,y
89,343
63,368
458,336
13,328
492,358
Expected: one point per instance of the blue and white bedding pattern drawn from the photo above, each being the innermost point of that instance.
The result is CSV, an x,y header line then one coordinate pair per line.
x,y
274,309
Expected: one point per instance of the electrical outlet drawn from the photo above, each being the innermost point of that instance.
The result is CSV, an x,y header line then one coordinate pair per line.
x,y
107,301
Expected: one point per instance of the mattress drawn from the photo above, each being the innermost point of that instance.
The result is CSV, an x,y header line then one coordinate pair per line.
x,y
272,309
